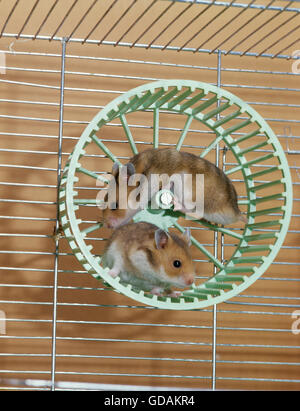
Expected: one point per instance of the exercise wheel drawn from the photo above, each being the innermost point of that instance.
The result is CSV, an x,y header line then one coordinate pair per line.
x,y
254,147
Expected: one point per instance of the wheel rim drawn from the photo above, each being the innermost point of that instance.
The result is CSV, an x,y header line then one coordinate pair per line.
x,y
201,102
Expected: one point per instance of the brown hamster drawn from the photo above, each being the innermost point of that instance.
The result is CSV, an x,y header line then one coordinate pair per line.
x,y
220,197
149,258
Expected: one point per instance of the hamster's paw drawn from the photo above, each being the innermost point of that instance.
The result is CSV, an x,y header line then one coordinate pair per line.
x,y
114,272
177,205
157,291
174,294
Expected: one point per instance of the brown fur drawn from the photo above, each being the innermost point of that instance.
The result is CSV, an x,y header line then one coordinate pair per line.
x,y
218,189
219,193
141,236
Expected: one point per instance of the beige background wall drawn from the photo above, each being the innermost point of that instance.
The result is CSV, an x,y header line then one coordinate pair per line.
x,y
102,336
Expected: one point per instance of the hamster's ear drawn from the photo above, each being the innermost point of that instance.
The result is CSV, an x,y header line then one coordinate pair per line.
x,y
187,234
161,238
130,169
115,169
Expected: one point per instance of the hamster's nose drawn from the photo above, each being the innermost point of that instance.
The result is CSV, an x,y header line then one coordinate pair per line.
x,y
189,279
112,223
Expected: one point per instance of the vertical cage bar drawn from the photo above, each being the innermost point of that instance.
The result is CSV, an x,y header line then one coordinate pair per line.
x,y
27,19
214,336
59,167
155,127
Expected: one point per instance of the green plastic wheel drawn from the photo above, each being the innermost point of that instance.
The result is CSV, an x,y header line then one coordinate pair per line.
x,y
254,147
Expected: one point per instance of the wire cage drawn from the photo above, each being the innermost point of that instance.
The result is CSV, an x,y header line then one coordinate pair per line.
x,y
61,62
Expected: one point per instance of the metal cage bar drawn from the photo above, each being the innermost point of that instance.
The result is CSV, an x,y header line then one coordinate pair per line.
x,y
291,12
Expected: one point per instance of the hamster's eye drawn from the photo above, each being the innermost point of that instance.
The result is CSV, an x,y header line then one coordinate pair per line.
x,y
177,263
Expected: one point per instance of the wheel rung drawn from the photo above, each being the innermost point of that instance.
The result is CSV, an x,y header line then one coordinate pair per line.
x,y
249,259
192,101
255,237
106,284
162,298
224,120
261,173
94,274
216,111
111,114
245,137
62,210
91,228
259,159
80,256
85,201
236,127
126,106
207,291
252,148
264,224
179,98
175,299
204,105
62,194
249,163
134,103
69,236
265,185
187,299
245,269
219,286
265,211
230,278
140,101
230,233
211,146
252,249
267,198
222,230
87,267
99,125
166,97
63,178
195,294
153,97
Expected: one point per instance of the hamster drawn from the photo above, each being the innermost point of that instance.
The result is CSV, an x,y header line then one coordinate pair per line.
x,y
220,197
149,258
